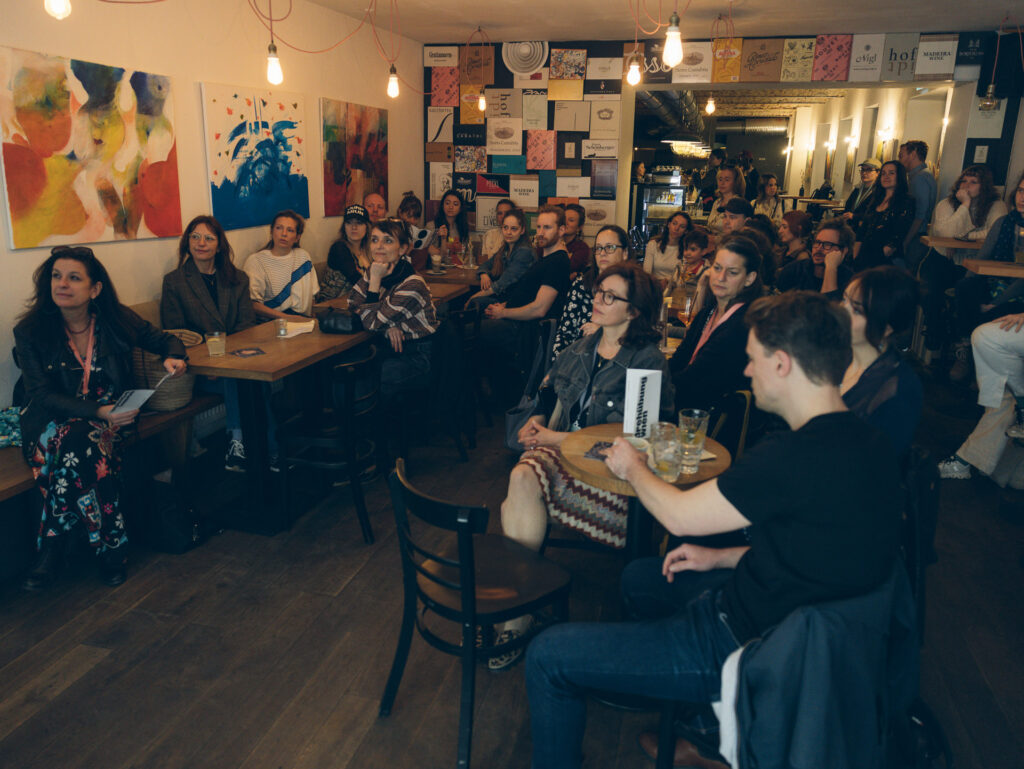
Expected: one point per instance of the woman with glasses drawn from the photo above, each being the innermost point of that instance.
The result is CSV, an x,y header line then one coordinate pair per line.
x,y
611,246
879,386
828,270
74,348
709,362
504,269
587,383
208,293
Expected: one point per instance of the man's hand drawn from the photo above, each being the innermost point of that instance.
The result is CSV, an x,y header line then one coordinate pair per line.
x,y
394,335
689,557
496,310
624,461
834,258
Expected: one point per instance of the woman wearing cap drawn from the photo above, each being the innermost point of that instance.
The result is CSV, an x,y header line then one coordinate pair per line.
x,y
349,255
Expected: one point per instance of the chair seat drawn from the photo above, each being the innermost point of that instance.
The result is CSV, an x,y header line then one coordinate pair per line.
x,y
507,575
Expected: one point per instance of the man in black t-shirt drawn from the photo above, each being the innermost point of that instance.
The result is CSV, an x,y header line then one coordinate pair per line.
x,y
821,502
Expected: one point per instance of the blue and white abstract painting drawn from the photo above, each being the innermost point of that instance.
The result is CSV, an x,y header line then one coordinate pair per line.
x,y
255,154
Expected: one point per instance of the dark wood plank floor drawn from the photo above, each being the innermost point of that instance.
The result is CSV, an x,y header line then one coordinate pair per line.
x,y
254,653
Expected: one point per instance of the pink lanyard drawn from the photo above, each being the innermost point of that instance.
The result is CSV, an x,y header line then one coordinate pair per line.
x,y
86,367
710,326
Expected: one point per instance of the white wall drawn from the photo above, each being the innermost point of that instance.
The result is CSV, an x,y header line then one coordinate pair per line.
x,y
222,42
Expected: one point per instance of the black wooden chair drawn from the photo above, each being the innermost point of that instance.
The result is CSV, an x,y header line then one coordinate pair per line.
x,y
730,421
342,444
478,580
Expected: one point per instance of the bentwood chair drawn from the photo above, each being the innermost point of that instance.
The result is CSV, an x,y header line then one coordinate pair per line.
x,y
477,580
341,446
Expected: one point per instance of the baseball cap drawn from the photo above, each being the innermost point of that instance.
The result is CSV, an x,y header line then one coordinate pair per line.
x,y
356,211
871,163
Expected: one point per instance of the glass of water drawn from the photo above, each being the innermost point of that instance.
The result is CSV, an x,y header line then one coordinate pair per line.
x,y
215,343
666,451
693,429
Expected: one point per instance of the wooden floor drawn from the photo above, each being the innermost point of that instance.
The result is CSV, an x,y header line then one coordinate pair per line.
x,y
259,653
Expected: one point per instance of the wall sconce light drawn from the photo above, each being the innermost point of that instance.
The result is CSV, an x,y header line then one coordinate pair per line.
x,y
789,148
58,9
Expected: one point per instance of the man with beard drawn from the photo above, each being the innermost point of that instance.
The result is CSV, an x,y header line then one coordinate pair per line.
x,y
827,270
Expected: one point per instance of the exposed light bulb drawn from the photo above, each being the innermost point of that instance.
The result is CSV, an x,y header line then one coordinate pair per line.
x,y
58,9
481,103
710,106
633,75
789,148
274,74
393,83
673,53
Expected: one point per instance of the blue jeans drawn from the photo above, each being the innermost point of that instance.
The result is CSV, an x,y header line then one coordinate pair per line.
x,y
229,389
678,658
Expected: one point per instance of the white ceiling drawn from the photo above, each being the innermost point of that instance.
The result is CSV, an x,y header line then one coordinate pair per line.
x,y
452,21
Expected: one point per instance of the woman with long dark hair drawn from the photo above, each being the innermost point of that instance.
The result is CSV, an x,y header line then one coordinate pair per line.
x,y
709,362
611,246
730,184
768,201
587,384
349,255
503,270
886,221
451,225
74,346
207,293
663,252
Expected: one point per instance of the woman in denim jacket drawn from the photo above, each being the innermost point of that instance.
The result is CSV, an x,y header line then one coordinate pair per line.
x,y
499,273
588,383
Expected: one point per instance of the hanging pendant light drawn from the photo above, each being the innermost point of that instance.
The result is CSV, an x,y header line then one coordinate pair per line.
x,y
393,83
673,53
58,9
275,76
633,74
710,106
481,103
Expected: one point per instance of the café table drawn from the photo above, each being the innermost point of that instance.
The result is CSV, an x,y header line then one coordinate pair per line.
x,y
933,241
466,277
264,512
442,293
595,472
994,268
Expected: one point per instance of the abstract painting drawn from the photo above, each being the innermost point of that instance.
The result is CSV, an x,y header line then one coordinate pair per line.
x,y
255,154
89,151
355,142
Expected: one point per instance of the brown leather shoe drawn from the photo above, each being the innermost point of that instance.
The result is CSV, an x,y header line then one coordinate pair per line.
x,y
686,754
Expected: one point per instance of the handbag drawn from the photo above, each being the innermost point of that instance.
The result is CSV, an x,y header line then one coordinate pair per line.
x,y
339,322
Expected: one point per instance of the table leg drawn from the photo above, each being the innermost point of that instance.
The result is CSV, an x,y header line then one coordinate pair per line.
x,y
261,511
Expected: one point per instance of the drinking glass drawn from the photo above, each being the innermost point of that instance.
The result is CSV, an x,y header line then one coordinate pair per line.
x,y
693,429
282,327
666,451
435,261
215,343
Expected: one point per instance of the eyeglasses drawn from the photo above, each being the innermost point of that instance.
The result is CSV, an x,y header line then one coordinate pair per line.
x,y
825,245
607,297
609,249
195,237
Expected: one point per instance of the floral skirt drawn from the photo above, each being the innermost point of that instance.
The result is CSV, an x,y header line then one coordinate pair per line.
x,y
595,513
77,468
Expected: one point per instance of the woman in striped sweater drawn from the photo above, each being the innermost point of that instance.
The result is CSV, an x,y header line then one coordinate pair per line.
x,y
395,302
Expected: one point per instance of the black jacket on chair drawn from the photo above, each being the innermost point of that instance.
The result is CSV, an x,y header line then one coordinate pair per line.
x,y
185,302
52,375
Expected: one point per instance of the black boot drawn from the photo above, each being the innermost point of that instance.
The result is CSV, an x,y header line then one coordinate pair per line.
x,y
112,567
46,566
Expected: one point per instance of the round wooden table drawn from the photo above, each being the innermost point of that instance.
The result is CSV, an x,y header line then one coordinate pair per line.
x,y
596,473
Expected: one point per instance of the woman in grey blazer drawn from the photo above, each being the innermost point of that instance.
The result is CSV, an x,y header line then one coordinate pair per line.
x,y
208,293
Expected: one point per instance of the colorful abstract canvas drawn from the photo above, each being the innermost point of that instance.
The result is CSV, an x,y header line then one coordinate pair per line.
x,y
444,87
832,57
89,151
540,150
568,63
255,154
355,147
470,159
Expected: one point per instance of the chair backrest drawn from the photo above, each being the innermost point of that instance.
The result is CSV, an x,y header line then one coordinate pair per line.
x,y
730,421
538,345
355,386
464,520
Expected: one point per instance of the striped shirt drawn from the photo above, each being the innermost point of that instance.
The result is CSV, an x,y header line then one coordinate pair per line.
x,y
269,274
404,302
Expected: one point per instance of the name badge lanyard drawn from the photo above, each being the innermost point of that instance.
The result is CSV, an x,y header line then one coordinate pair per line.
x,y
87,363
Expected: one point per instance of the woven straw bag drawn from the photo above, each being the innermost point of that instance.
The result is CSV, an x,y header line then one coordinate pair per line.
x,y
149,369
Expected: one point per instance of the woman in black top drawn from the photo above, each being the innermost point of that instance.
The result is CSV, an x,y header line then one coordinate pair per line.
x,y
74,348
451,226
349,255
885,224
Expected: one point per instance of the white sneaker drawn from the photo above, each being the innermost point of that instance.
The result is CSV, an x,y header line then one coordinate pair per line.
x,y
954,468
234,460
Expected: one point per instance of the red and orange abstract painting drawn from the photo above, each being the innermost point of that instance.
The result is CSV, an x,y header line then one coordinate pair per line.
x,y
89,152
